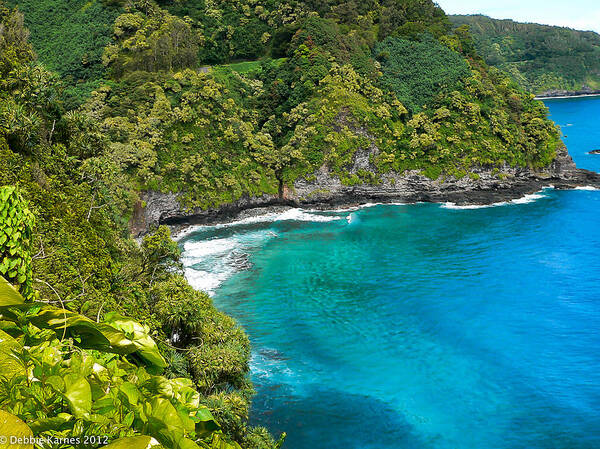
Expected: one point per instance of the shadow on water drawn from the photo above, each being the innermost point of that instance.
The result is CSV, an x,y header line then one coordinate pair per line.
x,y
370,423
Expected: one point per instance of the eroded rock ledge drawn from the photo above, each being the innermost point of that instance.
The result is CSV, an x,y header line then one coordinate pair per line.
x,y
324,191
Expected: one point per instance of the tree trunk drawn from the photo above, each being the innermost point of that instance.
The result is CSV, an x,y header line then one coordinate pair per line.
x,y
281,187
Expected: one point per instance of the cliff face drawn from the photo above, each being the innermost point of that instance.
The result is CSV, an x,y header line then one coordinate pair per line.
x,y
486,186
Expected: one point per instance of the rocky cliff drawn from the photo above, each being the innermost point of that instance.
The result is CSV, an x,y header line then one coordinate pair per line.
x,y
485,185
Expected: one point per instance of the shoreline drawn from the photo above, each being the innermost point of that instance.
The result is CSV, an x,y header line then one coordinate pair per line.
x,y
182,227
559,97
326,192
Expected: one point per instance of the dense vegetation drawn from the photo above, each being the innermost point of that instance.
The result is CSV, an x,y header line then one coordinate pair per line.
x,y
538,57
69,38
64,242
243,129
325,80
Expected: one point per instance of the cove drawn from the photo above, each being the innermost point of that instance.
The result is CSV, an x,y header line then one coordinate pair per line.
x,y
422,326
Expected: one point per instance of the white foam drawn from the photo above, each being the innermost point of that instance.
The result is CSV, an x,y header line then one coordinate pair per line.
x,y
295,214
180,235
207,281
210,262
450,205
301,215
587,188
264,366
529,198
203,248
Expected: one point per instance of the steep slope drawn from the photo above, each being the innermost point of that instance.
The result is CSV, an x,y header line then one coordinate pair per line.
x,y
541,58
69,37
64,241
346,103
391,77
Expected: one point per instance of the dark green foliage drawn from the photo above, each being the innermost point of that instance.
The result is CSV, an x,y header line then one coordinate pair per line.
x,y
180,309
160,255
411,18
230,30
418,71
69,37
14,40
379,79
539,57
150,39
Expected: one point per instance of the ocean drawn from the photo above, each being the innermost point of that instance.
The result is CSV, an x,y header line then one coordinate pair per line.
x,y
425,325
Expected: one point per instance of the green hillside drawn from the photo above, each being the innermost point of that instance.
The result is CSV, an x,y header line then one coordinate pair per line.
x,y
539,57
69,38
214,101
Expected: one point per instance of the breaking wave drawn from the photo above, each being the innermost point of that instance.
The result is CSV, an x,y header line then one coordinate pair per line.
x,y
529,198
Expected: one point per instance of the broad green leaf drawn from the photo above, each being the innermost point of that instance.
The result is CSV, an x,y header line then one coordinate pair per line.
x,y
140,442
129,418
138,334
91,335
205,422
10,425
9,365
79,396
100,419
184,392
8,295
5,192
57,383
104,405
55,423
187,423
131,391
164,423
186,443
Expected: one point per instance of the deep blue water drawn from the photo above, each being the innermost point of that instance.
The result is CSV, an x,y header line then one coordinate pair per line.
x,y
420,326
579,119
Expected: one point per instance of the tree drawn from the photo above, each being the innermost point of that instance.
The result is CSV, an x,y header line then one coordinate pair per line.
x,y
160,254
15,48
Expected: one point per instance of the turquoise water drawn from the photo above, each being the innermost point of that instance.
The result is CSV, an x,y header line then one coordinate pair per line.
x,y
422,326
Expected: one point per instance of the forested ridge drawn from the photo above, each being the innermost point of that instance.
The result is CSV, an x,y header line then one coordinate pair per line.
x,y
217,100
540,58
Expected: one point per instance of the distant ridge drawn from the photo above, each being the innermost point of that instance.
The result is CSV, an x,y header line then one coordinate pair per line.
x,y
545,60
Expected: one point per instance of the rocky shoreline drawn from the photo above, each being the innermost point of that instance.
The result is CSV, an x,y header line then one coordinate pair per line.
x,y
326,192
550,94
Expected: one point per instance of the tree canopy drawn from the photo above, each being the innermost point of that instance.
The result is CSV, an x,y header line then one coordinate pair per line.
x,y
540,58
211,101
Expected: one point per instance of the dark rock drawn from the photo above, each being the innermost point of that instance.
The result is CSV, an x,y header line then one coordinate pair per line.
x,y
585,91
325,191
